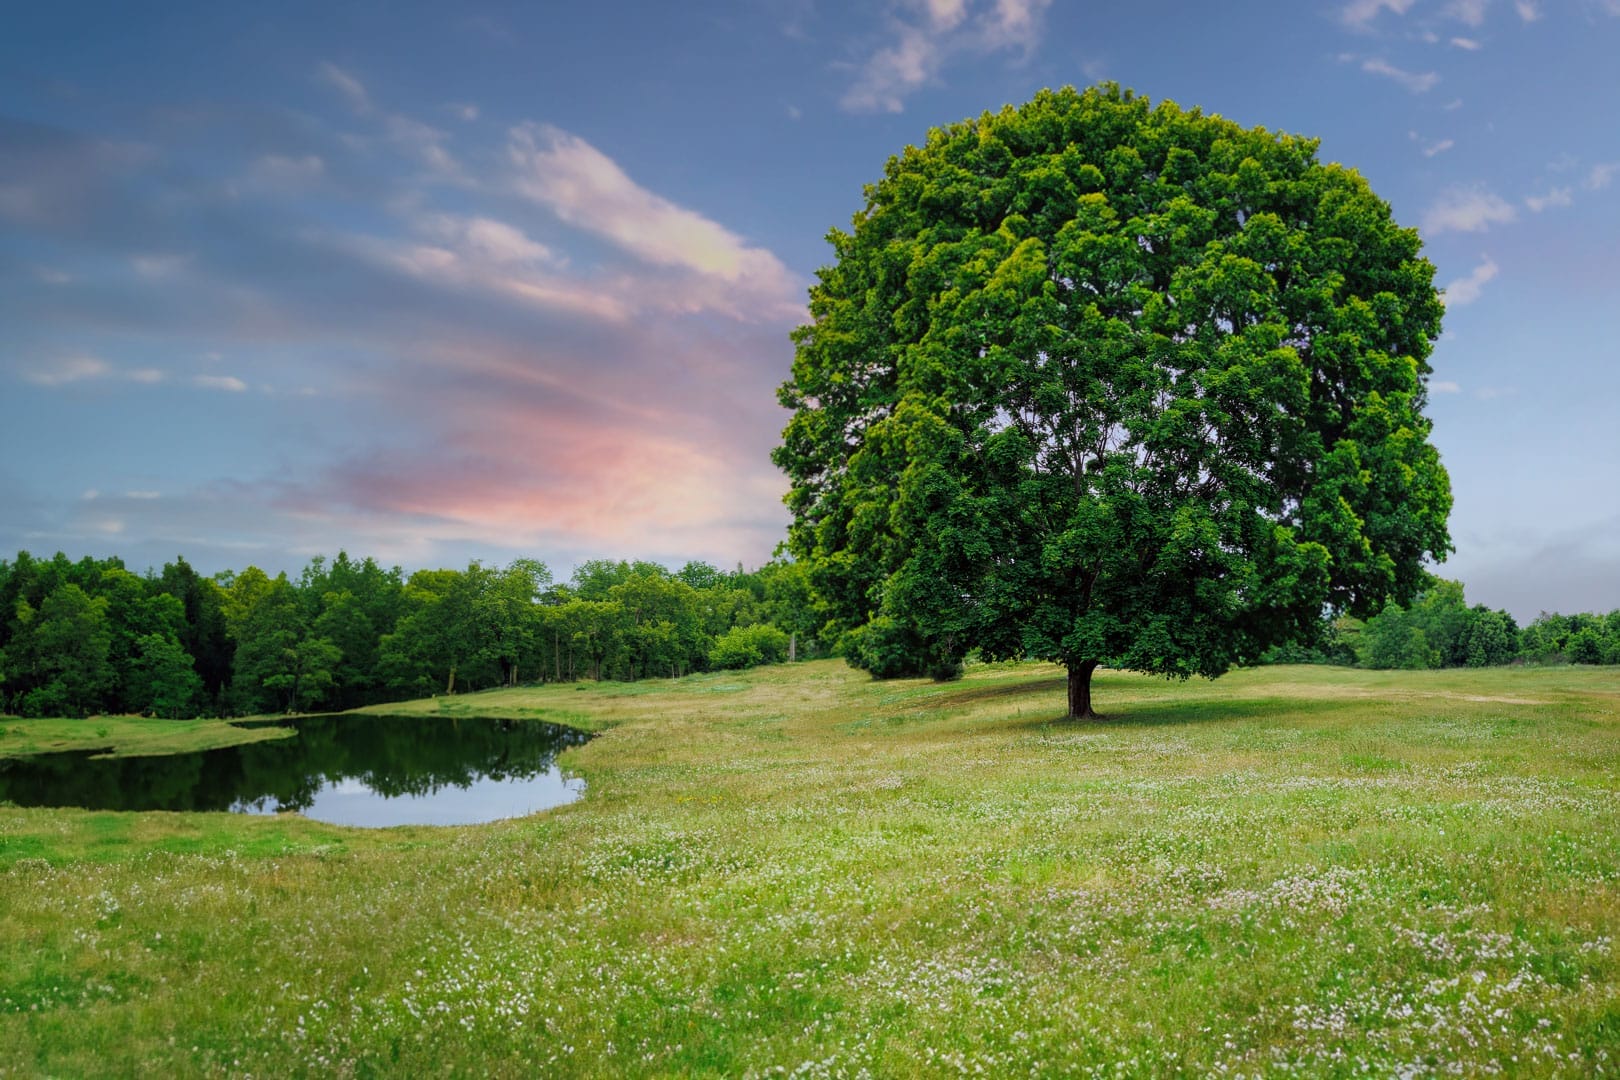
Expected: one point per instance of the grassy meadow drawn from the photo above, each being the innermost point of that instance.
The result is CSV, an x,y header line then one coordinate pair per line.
x,y
797,871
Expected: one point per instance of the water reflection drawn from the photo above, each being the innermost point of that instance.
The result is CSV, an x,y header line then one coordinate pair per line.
x,y
349,770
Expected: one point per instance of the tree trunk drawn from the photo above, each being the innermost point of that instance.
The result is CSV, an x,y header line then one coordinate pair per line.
x,y
793,646
450,684
1080,690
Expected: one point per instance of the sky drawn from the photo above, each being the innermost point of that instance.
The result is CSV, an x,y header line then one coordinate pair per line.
x,y
443,282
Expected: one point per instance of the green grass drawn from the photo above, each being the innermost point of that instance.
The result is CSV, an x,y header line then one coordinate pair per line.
x,y
799,871
125,736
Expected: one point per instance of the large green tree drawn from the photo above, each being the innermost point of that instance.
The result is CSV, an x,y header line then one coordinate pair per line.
x,y
1105,383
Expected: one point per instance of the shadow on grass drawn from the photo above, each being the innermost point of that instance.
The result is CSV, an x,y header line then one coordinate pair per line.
x,y
970,694
1125,715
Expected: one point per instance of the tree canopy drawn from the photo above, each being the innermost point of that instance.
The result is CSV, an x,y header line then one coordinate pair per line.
x,y
1102,382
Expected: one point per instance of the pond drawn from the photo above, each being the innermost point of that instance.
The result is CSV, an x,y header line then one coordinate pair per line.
x,y
369,771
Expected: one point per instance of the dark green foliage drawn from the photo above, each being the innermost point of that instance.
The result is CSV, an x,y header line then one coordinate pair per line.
x,y
281,665
204,635
1397,639
1489,638
56,661
1093,381
162,680
1438,630
1580,639
1586,646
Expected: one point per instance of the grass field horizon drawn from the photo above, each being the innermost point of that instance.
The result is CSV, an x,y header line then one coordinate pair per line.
x,y
798,870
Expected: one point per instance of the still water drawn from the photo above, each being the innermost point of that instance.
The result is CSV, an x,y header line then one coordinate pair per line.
x,y
369,771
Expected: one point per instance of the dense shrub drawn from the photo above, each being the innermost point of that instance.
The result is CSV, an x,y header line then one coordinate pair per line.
x,y
748,646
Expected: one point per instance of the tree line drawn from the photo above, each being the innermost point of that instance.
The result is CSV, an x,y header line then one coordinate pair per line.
x,y
91,636
1440,630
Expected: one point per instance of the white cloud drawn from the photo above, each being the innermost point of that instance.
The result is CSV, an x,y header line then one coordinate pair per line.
x,y
1601,176
1360,13
1417,82
1471,12
472,267
1529,10
1467,290
229,383
492,240
70,369
1467,210
352,89
1438,147
1556,197
929,33
587,189
1466,43
1445,386
149,376
1452,105
467,113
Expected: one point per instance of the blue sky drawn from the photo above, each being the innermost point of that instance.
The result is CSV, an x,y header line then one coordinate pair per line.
x,y
436,283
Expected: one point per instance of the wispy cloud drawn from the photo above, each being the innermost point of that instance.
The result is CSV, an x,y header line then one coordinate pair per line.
x,y
588,190
1439,147
350,88
496,241
84,367
1466,290
1445,386
1417,82
1467,44
1601,176
1361,13
930,33
1558,196
228,383
1471,12
1467,209
1529,10
422,142
70,369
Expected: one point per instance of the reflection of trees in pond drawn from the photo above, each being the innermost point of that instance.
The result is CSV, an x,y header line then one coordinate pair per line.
x,y
390,756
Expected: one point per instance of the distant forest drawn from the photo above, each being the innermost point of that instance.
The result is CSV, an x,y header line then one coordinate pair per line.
x,y
85,637
90,636
1440,630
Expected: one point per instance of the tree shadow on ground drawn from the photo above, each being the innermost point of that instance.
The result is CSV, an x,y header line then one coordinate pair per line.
x,y
970,695
1126,715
